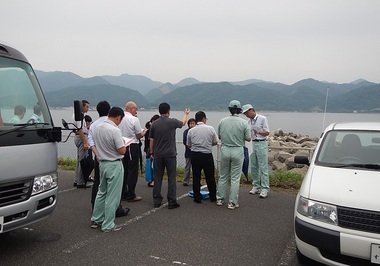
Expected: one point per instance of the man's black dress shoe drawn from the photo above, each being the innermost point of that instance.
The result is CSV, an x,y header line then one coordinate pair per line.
x,y
122,212
213,199
173,206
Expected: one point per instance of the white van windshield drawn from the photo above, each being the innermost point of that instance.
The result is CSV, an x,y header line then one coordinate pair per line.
x,y
348,147
21,101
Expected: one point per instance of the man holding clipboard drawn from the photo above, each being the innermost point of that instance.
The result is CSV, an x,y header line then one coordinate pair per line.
x,y
110,148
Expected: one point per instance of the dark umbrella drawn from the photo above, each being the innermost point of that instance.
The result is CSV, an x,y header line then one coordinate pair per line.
x,y
140,157
87,165
246,163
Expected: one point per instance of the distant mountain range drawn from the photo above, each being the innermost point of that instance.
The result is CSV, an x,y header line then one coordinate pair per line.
x,y
308,95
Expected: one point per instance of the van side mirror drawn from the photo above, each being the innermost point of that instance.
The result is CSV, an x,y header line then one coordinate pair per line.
x,y
78,116
65,125
69,126
55,134
301,160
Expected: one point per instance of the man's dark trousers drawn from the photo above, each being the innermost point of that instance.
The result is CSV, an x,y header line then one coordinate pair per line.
x,y
159,165
131,171
203,161
95,186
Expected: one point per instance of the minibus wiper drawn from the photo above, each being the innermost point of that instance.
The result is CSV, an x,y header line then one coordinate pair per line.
x,y
359,165
17,127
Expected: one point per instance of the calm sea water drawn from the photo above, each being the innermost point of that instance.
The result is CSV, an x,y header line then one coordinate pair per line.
x,y
301,123
311,124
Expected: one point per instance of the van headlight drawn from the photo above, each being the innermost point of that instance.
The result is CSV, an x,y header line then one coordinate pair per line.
x,y
44,182
319,211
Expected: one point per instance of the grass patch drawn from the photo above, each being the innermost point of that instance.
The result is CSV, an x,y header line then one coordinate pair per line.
x,y
285,179
279,179
67,164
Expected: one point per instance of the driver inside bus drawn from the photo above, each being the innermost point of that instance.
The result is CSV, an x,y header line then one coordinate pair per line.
x,y
19,112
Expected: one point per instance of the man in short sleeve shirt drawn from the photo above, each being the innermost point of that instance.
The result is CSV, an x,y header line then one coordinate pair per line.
x,y
259,156
163,151
200,139
130,128
110,149
233,131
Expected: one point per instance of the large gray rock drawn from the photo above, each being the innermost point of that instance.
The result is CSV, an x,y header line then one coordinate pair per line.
x,y
282,147
279,166
281,156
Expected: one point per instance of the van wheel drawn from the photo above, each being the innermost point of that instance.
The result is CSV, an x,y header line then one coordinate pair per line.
x,y
305,261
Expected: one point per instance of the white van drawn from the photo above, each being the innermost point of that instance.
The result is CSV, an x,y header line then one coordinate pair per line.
x,y
337,210
28,145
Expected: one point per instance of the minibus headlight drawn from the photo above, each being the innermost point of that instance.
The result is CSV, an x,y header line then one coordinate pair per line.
x,y
316,210
44,182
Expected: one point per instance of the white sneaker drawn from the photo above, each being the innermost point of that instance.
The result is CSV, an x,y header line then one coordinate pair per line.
x,y
219,202
264,194
254,191
116,228
232,206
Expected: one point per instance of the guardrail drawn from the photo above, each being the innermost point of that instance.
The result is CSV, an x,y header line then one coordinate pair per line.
x,y
68,150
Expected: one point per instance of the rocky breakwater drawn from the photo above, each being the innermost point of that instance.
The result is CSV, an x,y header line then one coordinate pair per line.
x,y
283,147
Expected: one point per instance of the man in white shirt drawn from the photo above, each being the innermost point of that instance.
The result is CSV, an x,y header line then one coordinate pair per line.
x,y
130,128
110,148
259,156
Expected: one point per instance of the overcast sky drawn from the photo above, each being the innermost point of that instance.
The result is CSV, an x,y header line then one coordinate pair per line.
x,y
210,40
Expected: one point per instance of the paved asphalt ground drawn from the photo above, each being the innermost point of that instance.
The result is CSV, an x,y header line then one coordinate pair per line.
x,y
260,232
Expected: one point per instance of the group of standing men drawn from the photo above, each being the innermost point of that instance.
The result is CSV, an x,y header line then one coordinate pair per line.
x,y
114,139
233,132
